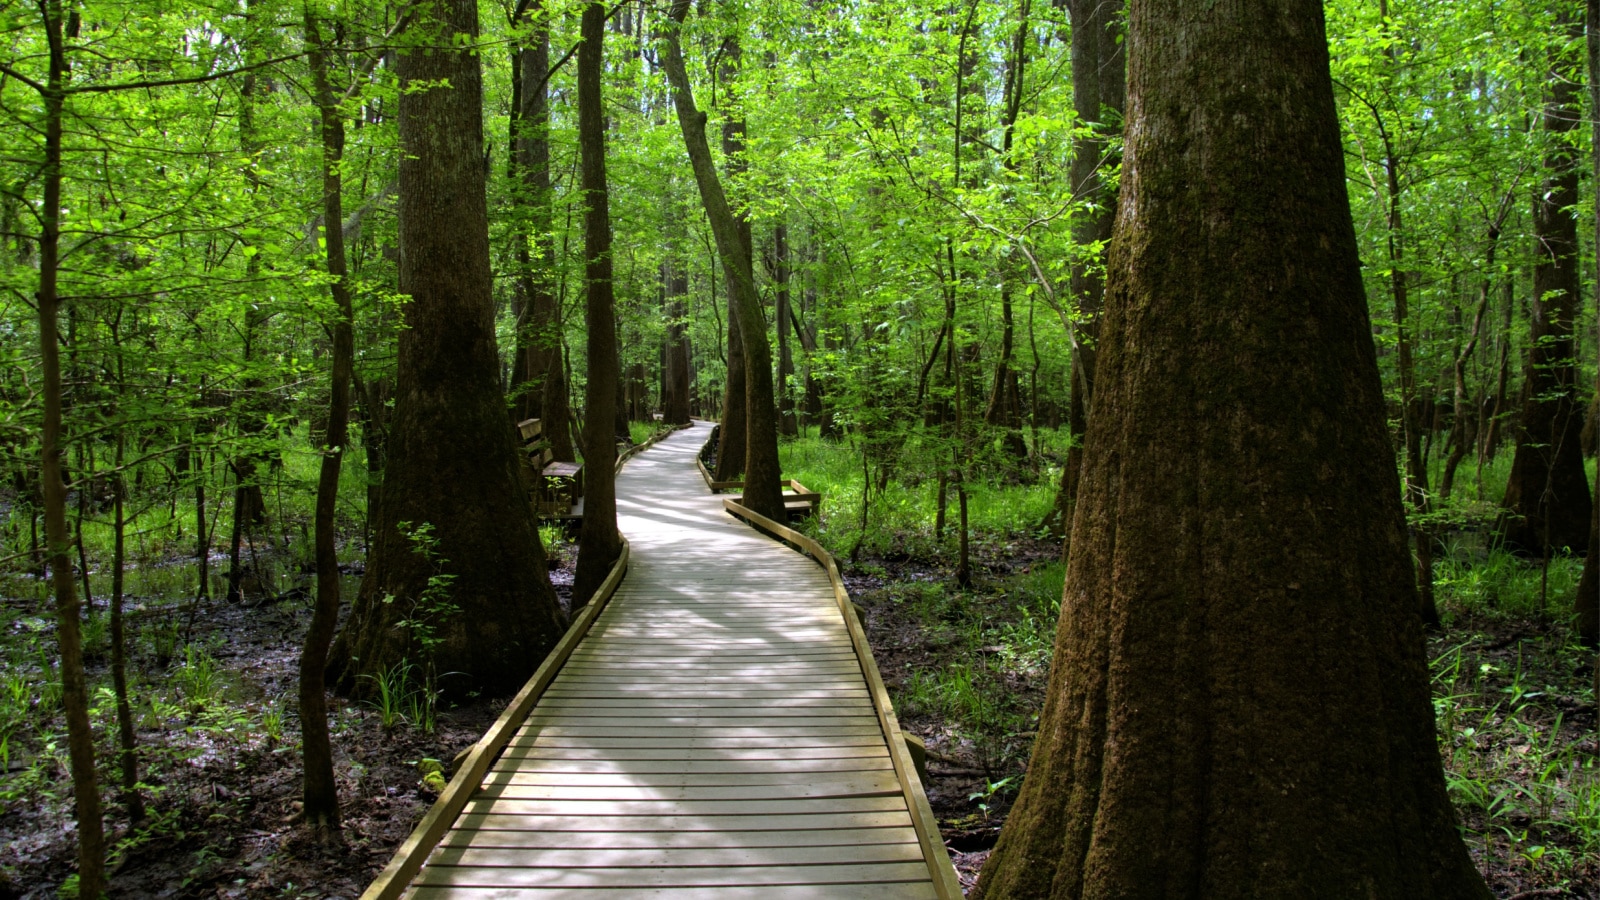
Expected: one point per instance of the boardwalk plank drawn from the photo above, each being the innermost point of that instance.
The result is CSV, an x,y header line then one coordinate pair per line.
x,y
703,766
902,891
666,840
657,857
497,876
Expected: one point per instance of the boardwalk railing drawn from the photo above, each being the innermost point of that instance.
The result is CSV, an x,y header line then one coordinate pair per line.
x,y
409,859
945,881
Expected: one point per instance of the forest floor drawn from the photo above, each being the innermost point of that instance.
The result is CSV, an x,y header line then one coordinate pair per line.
x,y
967,668
1513,692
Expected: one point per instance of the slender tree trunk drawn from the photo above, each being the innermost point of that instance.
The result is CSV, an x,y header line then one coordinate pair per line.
x,y
787,423
762,493
1416,468
538,365
1587,603
74,688
600,542
675,286
1004,410
1490,442
1547,499
202,536
1239,505
1099,89
319,792
127,745
452,456
1463,428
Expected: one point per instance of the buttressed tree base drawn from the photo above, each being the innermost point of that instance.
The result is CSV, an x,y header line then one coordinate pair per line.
x,y
1239,702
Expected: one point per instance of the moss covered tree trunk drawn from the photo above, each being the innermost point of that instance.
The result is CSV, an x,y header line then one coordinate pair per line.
x,y
1239,702
1547,496
452,455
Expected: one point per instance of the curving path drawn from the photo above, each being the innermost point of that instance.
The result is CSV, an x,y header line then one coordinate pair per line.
x,y
713,736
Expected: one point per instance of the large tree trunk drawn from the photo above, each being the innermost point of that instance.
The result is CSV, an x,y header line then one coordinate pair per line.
x,y
1239,523
319,790
1547,496
1099,89
762,494
599,543
452,462
537,368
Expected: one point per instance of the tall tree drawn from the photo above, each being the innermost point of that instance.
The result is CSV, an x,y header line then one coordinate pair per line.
x,y
675,293
732,436
1547,496
74,685
1099,91
1587,604
599,543
319,792
537,366
1239,521
452,469
788,424
762,493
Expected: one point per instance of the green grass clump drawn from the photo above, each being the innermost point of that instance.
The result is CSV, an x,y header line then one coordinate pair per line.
x,y
900,516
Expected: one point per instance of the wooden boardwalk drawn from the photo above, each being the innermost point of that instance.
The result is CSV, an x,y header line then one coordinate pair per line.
x,y
715,734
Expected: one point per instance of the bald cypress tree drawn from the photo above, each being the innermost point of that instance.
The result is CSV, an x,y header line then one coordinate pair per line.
x,y
1239,701
453,503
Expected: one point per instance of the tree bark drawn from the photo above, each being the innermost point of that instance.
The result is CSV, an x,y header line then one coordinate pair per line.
x,y
1547,499
1239,523
452,461
599,543
762,493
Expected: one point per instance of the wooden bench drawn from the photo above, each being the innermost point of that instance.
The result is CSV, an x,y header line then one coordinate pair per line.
x,y
799,501
555,487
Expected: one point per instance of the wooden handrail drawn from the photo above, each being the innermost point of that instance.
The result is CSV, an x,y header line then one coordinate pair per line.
x,y
945,882
413,854
649,442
